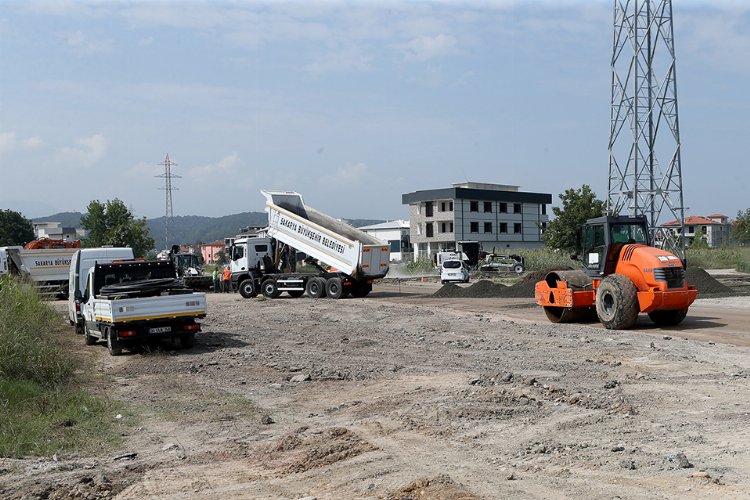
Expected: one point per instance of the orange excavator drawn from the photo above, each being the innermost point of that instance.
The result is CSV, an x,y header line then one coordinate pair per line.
x,y
623,275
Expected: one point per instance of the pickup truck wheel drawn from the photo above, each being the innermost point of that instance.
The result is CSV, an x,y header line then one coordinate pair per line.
x,y
187,340
80,329
315,288
295,293
668,318
113,345
617,302
334,288
270,289
88,338
247,288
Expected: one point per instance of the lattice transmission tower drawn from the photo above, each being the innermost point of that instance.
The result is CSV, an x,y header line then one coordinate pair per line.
x,y
168,176
645,173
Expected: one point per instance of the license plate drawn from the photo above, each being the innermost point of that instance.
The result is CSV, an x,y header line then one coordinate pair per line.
x,y
161,329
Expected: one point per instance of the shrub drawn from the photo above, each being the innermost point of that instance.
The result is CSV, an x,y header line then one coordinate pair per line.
x,y
27,351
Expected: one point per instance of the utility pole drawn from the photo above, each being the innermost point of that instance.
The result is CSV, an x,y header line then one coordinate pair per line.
x,y
645,172
168,176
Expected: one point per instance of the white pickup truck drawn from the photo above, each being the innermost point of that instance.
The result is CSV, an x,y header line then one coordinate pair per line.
x,y
125,303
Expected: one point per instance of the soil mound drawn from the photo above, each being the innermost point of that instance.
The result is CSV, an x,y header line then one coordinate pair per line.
x,y
705,283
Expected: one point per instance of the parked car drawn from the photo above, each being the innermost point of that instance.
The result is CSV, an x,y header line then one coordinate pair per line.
x,y
454,270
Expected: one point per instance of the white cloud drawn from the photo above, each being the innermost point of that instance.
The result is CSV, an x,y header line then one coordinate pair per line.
x,y
346,176
424,47
32,142
144,42
225,166
7,142
350,58
91,150
82,43
143,168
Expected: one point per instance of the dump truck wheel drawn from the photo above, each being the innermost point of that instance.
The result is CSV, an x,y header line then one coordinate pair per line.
x,y
315,288
113,345
668,318
270,289
360,289
295,293
247,288
334,288
617,302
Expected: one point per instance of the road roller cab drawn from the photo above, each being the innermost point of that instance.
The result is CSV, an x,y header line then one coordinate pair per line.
x,y
621,276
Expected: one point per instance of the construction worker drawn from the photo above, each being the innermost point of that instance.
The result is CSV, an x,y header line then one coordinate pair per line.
x,y
227,279
215,277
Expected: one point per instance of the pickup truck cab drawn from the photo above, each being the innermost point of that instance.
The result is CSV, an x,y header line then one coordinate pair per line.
x,y
454,270
125,303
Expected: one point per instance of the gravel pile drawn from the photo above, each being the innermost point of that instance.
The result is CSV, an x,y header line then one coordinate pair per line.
x,y
706,284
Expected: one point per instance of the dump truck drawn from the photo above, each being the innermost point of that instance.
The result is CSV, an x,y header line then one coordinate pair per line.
x,y
623,275
126,303
43,262
345,260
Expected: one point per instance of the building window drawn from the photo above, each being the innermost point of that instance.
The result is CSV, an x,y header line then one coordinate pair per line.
x,y
516,208
488,207
446,227
690,229
517,228
474,206
474,227
428,229
442,206
544,227
544,209
450,206
503,208
504,227
488,227
428,209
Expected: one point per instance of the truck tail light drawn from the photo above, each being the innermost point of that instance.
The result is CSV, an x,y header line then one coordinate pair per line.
x,y
192,327
127,333
78,308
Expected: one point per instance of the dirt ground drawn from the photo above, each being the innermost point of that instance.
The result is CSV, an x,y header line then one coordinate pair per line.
x,y
403,395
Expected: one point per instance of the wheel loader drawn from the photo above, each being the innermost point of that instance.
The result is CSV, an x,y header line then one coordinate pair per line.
x,y
622,275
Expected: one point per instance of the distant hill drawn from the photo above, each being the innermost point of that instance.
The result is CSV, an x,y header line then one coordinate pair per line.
x,y
194,228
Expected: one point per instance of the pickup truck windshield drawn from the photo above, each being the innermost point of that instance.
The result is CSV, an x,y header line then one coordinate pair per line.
x,y
131,275
451,264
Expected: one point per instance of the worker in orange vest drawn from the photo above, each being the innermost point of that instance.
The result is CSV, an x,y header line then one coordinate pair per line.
x,y
227,280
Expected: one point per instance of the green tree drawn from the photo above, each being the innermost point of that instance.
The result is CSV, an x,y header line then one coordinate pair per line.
x,y
15,229
699,240
741,228
578,205
112,223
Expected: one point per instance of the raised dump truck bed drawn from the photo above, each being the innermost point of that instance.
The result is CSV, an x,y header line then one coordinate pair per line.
x,y
347,258
324,238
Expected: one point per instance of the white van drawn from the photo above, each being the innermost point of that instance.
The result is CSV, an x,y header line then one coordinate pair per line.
x,y
454,270
83,260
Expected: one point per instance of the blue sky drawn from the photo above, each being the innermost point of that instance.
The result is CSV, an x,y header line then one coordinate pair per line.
x,y
350,103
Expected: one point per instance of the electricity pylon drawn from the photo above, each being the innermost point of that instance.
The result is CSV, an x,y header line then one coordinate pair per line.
x,y
645,173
